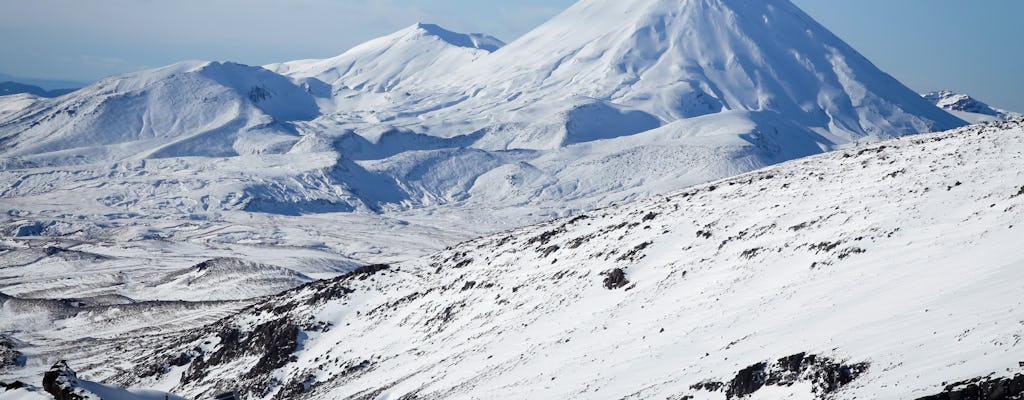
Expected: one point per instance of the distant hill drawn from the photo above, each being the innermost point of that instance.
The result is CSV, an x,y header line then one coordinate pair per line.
x,y
968,108
9,88
46,84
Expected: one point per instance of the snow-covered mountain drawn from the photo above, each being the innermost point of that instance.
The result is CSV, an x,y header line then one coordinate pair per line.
x,y
414,55
219,183
12,88
681,59
187,109
888,271
968,108
609,101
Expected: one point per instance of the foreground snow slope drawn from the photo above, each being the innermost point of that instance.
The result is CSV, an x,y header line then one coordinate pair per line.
x,y
895,265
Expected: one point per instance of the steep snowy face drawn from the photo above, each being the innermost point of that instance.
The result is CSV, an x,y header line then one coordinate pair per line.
x,y
187,109
414,54
968,108
887,271
677,59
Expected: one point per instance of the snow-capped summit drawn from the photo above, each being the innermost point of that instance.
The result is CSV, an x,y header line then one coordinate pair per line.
x,y
968,108
677,59
413,54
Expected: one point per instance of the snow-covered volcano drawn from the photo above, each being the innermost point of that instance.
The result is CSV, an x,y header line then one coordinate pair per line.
x,y
611,100
681,59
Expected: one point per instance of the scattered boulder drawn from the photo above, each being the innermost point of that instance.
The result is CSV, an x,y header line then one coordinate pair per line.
x,y
62,383
615,279
826,376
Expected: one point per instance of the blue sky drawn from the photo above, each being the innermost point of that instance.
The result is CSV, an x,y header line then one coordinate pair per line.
x,y
969,46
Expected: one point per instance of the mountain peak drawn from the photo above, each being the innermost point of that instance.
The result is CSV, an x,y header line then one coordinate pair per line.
x,y
470,40
417,53
678,59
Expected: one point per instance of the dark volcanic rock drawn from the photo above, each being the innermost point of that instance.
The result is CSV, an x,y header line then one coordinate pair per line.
x,y
62,383
983,388
12,386
747,381
615,279
273,342
825,375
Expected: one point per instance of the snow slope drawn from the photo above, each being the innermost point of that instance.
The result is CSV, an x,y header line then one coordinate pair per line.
x,y
410,56
885,271
187,109
968,108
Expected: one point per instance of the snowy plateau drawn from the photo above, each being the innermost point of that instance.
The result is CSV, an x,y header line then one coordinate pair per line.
x,y
639,199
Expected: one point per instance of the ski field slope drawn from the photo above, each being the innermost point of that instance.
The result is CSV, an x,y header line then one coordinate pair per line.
x,y
886,271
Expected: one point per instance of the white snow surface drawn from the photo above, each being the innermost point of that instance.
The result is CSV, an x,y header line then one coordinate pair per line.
x,y
904,255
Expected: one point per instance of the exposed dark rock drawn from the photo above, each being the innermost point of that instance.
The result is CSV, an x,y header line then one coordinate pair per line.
x,y
615,279
273,342
750,253
545,237
747,381
181,361
12,386
983,388
366,271
708,386
548,250
635,252
62,383
825,375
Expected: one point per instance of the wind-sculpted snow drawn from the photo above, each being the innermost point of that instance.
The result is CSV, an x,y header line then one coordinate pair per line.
x,y
883,271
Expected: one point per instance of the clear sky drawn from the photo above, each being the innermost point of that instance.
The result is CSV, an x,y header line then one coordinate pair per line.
x,y
970,46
